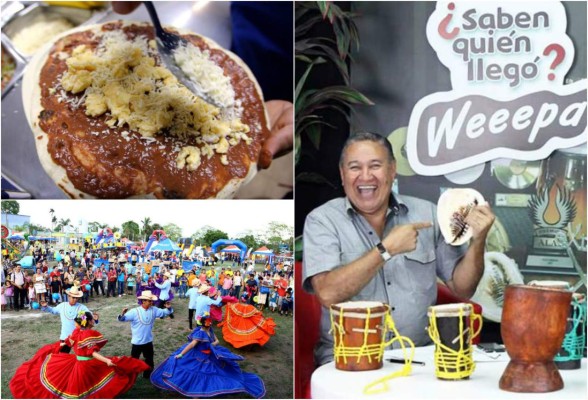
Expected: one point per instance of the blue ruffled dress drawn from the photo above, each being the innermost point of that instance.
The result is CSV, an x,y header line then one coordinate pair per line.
x,y
205,370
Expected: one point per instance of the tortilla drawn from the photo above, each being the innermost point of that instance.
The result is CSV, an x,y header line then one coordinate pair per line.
x,y
90,157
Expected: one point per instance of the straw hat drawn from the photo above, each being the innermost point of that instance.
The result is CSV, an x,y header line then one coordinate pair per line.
x,y
196,283
74,291
167,274
147,295
203,288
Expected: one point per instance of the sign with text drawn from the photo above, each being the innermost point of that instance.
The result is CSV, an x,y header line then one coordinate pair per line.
x,y
507,62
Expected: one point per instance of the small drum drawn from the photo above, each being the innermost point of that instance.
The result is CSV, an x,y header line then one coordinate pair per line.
x,y
358,329
451,327
533,327
572,348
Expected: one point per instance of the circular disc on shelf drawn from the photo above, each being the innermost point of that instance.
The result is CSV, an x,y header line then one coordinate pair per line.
x,y
515,174
398,141
466,176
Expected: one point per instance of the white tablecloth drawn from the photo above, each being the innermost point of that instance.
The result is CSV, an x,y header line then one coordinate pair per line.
x,y
329,382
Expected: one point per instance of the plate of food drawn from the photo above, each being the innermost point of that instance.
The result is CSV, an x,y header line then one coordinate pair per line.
x,y
111,122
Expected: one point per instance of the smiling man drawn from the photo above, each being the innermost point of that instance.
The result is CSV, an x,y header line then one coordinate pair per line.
x,y
377,246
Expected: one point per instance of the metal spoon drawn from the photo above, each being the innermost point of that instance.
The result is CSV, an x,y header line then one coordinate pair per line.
x,y
166,44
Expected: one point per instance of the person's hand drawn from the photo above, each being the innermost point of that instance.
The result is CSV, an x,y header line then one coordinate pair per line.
x,y
281,139
403,238
124,311
480,220
125,7
178,356
110,363
61,344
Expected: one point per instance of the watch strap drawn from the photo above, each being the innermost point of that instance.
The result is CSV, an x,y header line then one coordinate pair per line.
x,y
383,252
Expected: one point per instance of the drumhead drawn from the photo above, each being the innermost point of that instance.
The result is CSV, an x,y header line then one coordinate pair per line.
x,y
358,304
450,310
551,284
541,287
360,309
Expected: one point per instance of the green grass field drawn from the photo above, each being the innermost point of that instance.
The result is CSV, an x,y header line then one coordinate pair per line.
x,y
25,331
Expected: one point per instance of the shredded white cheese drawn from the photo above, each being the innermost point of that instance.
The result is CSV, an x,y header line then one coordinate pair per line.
x,y
122,79
208,77
41,31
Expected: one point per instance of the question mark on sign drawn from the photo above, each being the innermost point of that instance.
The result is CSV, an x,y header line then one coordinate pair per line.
x,y
560,54
443,26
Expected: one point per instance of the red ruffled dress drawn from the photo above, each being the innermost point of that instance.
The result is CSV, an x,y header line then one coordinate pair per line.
x,y
216,312
51,374
244,324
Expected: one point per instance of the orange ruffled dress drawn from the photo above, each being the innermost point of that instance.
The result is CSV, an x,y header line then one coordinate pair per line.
x,y
51,374
244,324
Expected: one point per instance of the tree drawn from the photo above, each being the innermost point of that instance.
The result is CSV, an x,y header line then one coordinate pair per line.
x,y
198,236
278,234
131,230
10,207
173,231
146,228
30,229
94,226
212,235
20,228
279,229
250,241
35,229
53,218
62,224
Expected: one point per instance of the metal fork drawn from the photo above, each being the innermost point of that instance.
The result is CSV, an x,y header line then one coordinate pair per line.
x,y
167,43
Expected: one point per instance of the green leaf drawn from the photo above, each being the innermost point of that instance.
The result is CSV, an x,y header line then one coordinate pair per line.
x,y
342,39
324,7
302,80
322,47
314,134
303,27
319,123
343,94
297,147
303,58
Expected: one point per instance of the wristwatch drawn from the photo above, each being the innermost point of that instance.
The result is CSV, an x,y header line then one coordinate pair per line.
x,y
383,252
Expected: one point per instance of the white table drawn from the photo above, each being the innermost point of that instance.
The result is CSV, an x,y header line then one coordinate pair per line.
x,y
328,382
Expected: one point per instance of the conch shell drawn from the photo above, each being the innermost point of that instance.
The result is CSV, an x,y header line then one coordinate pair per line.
x,y
453,207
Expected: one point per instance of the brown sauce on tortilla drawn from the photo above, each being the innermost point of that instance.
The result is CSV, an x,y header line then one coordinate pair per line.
x,y
106,165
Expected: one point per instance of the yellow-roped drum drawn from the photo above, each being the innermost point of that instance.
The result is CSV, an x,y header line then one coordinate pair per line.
x,y
358,331
451,327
